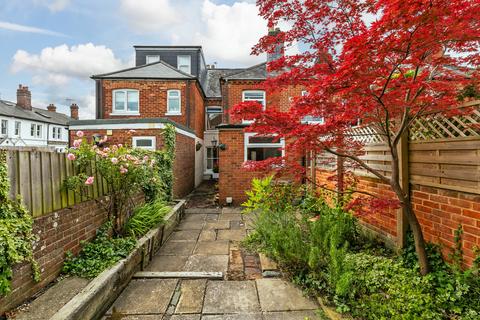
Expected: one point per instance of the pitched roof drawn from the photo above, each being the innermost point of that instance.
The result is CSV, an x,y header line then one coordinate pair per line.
x,y
211,83
10,109
155,70
256,72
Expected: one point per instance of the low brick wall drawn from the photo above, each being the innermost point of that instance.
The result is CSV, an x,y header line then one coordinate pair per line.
x,y
439,211
57,233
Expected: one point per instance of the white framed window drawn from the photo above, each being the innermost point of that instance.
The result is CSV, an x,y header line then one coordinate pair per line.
x,y
311,119
152,58
214,117
4,127
57,133
148,143
174,102
126,101
184,63
18,128
36,130
212,159
262,147
255,95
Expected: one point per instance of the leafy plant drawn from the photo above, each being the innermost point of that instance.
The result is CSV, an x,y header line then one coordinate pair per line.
x,y
98,255
146,217
16,237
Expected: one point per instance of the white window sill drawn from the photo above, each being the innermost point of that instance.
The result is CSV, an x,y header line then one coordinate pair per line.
x,y
125,113
173,114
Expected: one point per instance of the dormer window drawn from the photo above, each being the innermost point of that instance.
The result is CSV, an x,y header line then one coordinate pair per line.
x,y
174,106
152,58
184,63
125,101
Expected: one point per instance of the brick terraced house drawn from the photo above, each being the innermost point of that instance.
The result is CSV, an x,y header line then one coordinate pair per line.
x,y
173,84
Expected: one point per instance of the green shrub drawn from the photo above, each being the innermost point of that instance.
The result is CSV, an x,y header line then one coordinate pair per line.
x,y
328,255
146,217
103,252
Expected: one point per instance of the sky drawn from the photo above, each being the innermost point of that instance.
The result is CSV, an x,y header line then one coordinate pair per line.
x,y
54,46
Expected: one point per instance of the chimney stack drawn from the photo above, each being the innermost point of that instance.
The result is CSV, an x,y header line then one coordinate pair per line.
x,y
74,111
24,97
279,50
52,108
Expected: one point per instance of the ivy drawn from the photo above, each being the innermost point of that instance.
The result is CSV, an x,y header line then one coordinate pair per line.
x,y
16,237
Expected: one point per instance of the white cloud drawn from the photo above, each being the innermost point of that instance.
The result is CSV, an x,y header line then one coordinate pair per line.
x,y
149,15
22,28
57,65
54,5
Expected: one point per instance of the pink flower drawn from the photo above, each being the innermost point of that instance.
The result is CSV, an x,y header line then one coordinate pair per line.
x,y
123,170
71,156
80,134
107,149
77,143
145,158
114,160
120,145
103,140
89,181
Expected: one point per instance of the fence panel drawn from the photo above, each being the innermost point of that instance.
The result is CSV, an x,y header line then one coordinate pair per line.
x,y
37,177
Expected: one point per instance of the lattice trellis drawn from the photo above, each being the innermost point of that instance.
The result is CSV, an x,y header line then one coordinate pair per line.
x,y
438,126
366,134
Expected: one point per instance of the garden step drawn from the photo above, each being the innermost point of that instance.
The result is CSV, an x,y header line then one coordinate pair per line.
x,y
267,264
202,210
179,275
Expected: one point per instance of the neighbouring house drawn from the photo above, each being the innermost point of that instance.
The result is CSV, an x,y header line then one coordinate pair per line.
x,y
173,84
22,125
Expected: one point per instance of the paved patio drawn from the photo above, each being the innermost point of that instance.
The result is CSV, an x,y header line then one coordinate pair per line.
x,y
207,240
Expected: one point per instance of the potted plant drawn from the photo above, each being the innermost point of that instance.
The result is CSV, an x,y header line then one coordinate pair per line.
x,y
215,172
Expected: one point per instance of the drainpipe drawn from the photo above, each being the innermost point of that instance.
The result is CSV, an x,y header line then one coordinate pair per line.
x,y
187,103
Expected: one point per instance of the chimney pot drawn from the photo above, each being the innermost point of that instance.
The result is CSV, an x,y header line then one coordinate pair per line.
x,y
74,111
24,97
52,108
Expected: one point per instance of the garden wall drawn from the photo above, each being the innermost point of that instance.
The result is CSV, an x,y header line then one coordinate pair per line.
x,y
57,232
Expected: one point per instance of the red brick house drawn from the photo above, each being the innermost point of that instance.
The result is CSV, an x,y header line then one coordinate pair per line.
x,y
173,84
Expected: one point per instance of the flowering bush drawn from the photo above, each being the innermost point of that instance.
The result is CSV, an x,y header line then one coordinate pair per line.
x,y
124,170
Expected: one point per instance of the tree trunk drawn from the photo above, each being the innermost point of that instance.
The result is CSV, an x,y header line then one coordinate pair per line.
x,y
416,229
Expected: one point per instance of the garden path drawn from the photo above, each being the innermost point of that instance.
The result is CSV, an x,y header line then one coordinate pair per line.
x,y
207,240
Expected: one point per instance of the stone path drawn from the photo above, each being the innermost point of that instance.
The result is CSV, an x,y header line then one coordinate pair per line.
x,y
207,240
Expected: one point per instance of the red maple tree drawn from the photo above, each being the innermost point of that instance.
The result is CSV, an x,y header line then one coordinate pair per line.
x,y
381,63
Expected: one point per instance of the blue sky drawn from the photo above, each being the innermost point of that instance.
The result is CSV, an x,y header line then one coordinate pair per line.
x,y
53,46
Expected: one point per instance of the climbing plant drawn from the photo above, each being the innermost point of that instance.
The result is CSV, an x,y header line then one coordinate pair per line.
x,y
16,236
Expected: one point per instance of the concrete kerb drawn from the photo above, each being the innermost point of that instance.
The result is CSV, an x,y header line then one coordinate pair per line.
x,y
101,292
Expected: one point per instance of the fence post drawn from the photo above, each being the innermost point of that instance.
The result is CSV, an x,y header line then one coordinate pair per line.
x,y
402,223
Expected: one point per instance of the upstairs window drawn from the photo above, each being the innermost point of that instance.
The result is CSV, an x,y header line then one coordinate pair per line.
x,y
18,128
255,95
258,148
36,130
57,133
4,127
311,119
174,102
214,117
125,101
184,63
152,59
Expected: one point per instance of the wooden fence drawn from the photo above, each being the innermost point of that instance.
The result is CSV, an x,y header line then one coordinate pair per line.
x,y
38,176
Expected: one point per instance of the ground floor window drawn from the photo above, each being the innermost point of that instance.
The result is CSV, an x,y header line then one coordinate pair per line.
x,y
148,143
259,147
212,159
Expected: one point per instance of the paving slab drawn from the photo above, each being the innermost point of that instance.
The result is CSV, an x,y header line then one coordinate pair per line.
x,y
189,235
242,316
224,224
212,247
185,317
167,263
178,275
194,218
202,210
190,225
207,235
266,263
191,296
46,305
234,235
230,216
232,210
230,297
234,224
174,248
146,297
280,295
292,315
203,263
211,217
120,316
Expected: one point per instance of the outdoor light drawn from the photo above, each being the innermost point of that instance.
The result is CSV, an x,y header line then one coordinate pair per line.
x,y
222,146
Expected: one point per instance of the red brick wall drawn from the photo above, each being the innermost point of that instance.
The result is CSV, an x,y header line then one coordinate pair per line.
x,y
58,232
439,211
197,120
184,166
